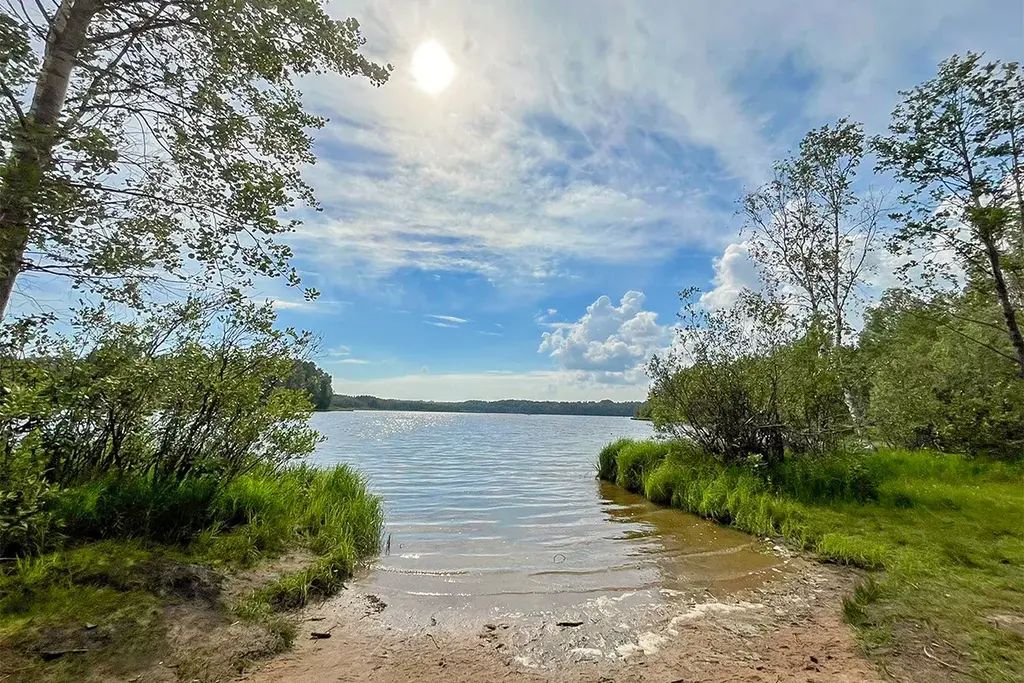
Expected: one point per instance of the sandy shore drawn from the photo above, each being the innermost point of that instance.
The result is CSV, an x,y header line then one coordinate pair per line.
x,y
789,630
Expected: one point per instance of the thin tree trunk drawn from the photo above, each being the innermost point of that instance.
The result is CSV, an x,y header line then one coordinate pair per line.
x,y
1003,295
835,277
32,149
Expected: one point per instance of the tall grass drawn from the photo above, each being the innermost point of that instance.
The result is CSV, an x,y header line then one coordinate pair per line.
x,y
327,510
947,530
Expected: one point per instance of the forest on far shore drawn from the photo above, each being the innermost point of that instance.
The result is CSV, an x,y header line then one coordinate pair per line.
x,y
520,406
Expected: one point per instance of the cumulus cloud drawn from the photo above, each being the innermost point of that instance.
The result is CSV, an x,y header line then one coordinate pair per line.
x,y
735,272
608,344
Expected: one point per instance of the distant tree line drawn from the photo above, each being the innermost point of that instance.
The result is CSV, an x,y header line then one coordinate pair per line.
x,y
605,407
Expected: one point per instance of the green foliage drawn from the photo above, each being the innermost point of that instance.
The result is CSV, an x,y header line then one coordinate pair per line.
x,y
635,460
945,529
811,231
747,381
935,376
140,507
149,418
607,459
180,140
258,515
957,143
25,496
313,380
643,411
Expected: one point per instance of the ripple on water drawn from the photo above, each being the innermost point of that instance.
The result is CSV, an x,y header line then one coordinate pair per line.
x,y
504,511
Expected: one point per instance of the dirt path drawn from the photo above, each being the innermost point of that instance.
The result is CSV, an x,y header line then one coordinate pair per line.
x,y
790,631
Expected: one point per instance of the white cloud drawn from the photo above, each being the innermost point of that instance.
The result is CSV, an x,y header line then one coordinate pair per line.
x,y
285,305
492,385
436,323
449,319
353,361
609,344
526,162
735,272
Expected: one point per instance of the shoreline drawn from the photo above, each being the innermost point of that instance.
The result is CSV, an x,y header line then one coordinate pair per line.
x,y
788,630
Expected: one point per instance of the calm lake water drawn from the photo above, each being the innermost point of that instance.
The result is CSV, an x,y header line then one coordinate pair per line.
x,y
504,511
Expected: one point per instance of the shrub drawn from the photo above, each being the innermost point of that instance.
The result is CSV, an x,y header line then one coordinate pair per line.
x,y
749,381
929,386
191,391
25,519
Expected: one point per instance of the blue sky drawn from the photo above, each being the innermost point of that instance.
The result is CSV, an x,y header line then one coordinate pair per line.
x,y
524,232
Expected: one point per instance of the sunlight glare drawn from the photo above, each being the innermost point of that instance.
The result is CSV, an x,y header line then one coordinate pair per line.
x,y
432,68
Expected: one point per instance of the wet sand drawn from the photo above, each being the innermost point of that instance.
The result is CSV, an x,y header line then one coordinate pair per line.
x,y
789,629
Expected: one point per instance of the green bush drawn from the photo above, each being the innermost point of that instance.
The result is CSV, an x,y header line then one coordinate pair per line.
x,y
26,524
930,387
747,381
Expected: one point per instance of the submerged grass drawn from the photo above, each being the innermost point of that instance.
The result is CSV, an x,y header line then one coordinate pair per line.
x,y
133,546
947,531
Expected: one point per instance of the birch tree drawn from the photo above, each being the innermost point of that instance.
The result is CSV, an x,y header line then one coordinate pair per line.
x,y
159,139
812,231
957,143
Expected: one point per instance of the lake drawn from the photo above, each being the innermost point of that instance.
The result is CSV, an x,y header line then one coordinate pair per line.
x,y
504,512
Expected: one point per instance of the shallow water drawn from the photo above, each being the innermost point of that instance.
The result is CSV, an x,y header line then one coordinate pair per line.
x,y
503,512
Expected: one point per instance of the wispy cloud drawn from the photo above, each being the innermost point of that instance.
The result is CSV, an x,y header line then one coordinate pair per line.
x,y
449,319
609,133
286,305
440,324
354,361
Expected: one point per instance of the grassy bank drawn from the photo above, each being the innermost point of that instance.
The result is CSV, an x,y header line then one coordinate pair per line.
x,y
129,550
944,536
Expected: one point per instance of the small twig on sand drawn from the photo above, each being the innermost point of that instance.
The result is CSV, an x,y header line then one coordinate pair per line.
x,y
929,655
431,636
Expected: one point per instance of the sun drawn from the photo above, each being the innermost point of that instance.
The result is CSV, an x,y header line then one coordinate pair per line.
x,y
432,68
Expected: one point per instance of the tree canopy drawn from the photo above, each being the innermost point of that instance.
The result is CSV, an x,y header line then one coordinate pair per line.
x,y
314,380
159,140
